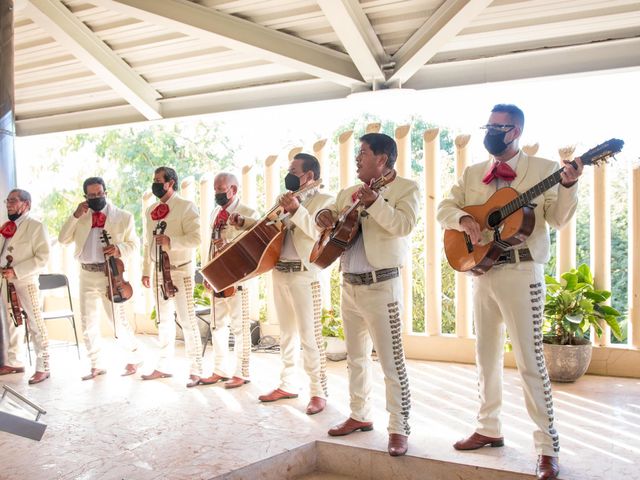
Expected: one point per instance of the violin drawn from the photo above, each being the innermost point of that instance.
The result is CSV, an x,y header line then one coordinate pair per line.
x,y
14,301
216,235
163,264
118,290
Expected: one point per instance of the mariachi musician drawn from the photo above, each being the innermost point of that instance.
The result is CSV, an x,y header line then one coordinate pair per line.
x,y
24,251
229,308
296,286
172,235
86,227
372,287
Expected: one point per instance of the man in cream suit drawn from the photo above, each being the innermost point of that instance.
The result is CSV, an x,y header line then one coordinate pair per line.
x,y
179,241
25,240
296,286
372,289
232,311
84,228
512,293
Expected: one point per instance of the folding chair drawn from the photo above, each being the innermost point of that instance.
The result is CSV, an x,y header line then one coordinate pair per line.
x,y
53,281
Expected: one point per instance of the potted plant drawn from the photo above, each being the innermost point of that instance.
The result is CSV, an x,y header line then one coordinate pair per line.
x,y
571,308
333,333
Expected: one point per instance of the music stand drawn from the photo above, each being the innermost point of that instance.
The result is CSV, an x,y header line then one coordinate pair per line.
x,y
14,417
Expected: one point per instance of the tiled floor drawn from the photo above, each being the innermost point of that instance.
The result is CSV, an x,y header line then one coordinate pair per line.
x,y
123,428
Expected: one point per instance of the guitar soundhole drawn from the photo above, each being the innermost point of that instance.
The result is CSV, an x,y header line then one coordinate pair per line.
x,y
494,219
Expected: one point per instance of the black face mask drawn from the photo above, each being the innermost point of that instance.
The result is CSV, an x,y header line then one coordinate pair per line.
x,y
14,216
97,204
222,199
158,189
495,144
292,182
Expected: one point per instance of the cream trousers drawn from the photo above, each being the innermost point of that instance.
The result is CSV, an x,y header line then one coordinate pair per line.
x,y
93,302
513,296
231,313
182,305
298,304
29,299
373,312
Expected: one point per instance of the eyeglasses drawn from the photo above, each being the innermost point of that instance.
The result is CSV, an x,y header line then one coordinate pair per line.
x,y
497,127
11,201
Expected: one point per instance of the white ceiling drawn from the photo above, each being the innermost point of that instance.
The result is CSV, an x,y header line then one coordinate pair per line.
x,y
82,64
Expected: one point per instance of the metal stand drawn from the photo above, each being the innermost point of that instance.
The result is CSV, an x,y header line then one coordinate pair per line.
x,y
14,416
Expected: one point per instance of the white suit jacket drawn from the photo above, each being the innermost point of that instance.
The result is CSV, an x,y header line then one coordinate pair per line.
x,y
119,225
29,248
388,222
555,207
183,228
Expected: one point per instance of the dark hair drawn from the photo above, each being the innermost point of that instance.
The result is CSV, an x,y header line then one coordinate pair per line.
x,y
309,163
169,174
23,195
93,181
517,115
379,143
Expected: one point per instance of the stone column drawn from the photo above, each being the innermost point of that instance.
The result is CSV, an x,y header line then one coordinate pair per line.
x,y
7,122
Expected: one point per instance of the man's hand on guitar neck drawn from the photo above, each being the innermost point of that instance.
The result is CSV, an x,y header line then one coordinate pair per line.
x,y
324,219
471,228
570,174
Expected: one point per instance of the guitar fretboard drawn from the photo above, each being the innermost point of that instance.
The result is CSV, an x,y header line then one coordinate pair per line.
x,y
532,193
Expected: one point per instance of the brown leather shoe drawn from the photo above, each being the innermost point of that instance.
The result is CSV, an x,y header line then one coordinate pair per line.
x,y
349,426
155,375
547,467
130,369
94,373
38,377
477,441
398,444
215,378
316,405
277,394
235,382
193,381
8,370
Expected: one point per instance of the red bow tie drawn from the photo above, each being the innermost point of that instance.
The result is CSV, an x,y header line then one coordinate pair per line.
x,y
221,218
98,219
8,229
500,170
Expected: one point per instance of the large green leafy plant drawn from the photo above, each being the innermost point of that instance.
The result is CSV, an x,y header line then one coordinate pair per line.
x,y
574,305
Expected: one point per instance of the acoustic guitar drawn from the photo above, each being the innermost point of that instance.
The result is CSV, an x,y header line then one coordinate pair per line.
x,y
335,240
507,218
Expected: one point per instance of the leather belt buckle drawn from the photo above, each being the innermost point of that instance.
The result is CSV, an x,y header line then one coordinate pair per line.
x,y
93,267
289,267
368,278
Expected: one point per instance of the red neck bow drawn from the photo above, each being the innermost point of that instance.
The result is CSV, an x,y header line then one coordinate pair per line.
x,y
160,212
8,229
499,170
221,218
98,219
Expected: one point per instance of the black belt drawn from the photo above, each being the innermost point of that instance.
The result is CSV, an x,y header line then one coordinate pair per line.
x,y
371,277
512,256
287,267
93,267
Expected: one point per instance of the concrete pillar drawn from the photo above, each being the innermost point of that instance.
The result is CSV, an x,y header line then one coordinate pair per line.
x,y
7,123
403,167
433,233
463,281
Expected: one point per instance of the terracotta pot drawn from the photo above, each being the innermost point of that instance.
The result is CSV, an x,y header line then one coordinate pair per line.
x,y
567,363
335,348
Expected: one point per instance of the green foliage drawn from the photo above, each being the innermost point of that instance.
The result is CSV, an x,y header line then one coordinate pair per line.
x,y
331,324
575,305
127,157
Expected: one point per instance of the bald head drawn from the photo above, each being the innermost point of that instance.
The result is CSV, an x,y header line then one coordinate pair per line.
x,y
225,186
